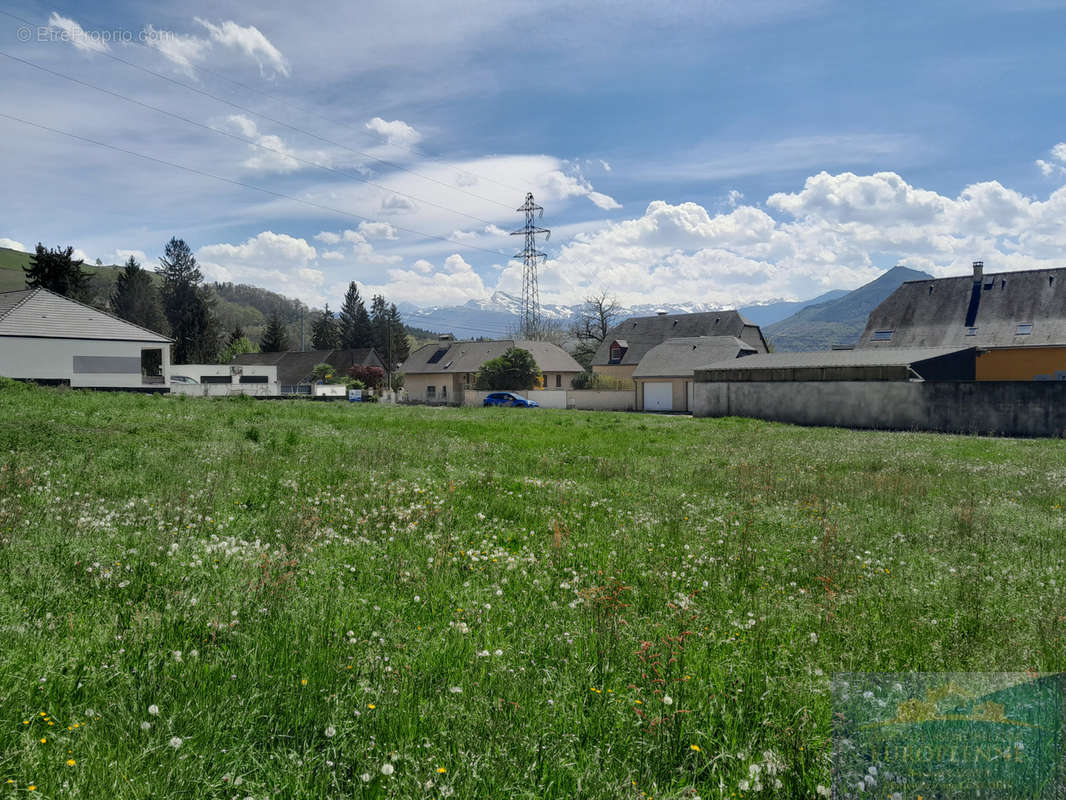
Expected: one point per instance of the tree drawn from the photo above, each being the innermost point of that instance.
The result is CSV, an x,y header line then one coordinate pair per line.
x,y
235,347
275,338
58,271
597,316
397,345
136,299
187,306
355,329
325,335
379,321
516,369
371,377
324,373
236,334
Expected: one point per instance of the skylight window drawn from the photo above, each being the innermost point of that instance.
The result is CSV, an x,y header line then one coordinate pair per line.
x,y
437,356
1023,329
882,336
971,331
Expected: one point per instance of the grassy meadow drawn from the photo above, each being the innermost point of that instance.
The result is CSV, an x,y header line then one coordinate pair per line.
x,y
232,599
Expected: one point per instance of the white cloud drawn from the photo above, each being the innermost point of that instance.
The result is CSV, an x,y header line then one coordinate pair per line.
x,y
11,244
1049,168
276,157
394,204
600,200
71,31
396,132
121,256
377,230
332,255
249,40
180,49
455,283
327,237
605,165
274,261
362,250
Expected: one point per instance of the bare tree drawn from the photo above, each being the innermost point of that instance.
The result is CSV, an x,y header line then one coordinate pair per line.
x,y
591,325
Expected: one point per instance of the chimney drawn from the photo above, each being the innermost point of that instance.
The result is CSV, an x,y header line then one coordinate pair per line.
x,y
445,337
978,271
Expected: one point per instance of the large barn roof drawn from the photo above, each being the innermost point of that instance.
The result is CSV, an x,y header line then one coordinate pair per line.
x,y
900,363
449,356
678,358
41,314
994,310
641,334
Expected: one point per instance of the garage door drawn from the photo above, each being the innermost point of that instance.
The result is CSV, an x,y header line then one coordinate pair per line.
x,y
658,396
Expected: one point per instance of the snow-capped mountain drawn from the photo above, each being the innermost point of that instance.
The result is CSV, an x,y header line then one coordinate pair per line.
x,y
498,316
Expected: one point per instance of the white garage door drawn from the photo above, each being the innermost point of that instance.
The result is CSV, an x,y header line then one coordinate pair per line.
x,y
658,397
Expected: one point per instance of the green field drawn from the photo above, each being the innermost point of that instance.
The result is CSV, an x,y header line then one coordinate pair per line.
x,y
218,599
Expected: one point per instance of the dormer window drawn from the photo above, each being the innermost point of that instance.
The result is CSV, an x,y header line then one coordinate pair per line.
x,y
1023,329
882,336
971,331
618,351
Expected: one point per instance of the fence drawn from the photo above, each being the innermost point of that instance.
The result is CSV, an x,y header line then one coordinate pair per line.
x,y
1005,408
566,398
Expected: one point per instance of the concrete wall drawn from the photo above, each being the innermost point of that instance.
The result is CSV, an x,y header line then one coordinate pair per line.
x,y
232,371
1008,408
54,360
587,400
1021,364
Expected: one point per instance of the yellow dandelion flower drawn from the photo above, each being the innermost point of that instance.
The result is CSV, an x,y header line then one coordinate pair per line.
x,y
371,706
42,714
694,747
44,741
441,770
303,681
71,762
25,722
31,788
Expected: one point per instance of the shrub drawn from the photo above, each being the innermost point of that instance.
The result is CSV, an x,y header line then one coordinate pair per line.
x,y
514,370
371,377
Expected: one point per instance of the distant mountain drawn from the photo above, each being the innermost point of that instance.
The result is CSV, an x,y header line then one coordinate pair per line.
x,y
499,315
839,321
769,313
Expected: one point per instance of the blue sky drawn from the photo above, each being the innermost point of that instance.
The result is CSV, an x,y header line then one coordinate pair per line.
x,y
721,152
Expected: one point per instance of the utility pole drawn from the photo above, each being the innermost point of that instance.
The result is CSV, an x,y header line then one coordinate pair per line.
x,y
530,256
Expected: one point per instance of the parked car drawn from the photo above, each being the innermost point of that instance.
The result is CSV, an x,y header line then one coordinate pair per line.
x,y
182,379
509,399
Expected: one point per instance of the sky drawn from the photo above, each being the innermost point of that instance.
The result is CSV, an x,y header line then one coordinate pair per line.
x,y
718,152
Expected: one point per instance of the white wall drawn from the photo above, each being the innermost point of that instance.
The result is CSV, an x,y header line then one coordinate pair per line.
x,y
570,398
329,390
272,388
53,359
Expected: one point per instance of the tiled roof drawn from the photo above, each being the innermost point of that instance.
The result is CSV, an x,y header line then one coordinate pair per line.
x,y
455,357
677,358
641,334
39,313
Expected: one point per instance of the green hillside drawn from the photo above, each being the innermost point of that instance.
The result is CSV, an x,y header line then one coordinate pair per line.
x,y
235,303
839,321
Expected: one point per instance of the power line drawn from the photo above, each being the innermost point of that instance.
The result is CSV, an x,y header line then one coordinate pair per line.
x,y
239,138
242,184
280,122
530,256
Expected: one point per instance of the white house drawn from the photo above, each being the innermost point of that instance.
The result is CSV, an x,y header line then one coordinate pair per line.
x,y
224,380
49,338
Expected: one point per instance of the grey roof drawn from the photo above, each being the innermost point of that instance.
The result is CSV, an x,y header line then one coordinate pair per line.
x,y
454,357
641,334
888,364
39,313
935,312
295,367
677,358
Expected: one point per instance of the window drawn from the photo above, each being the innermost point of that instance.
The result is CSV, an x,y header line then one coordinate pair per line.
x,y
558,381
618,351
1023,329
882,336
971,331
216,379
152,366
253,379
444,393
431,393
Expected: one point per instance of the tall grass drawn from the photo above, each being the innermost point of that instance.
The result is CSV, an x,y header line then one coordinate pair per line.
x,y
219,599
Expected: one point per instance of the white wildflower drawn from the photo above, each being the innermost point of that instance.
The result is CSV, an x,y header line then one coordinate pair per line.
x,y
153,710
668,700
387,768
175,742
331,732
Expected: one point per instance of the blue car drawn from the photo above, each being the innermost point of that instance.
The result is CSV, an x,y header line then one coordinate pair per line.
x,y
509,399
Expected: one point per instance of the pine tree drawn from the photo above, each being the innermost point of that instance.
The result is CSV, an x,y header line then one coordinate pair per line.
x,y
58,271
187,306
136,300
275,338
355,327
379,321
399,346
325,334
236,334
